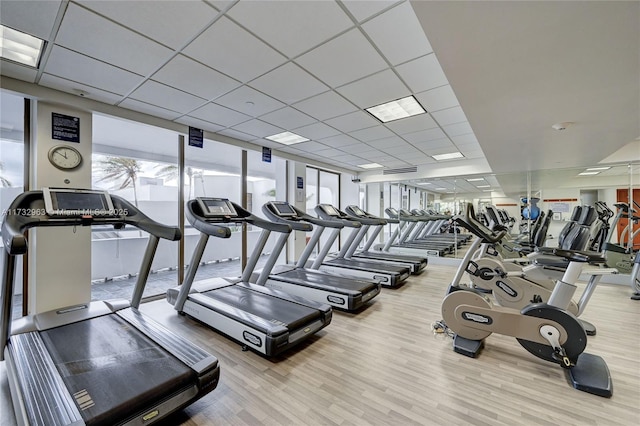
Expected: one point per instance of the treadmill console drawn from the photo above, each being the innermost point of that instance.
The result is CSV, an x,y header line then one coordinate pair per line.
x,y
216,207
65,202
283,209
358,211
329,210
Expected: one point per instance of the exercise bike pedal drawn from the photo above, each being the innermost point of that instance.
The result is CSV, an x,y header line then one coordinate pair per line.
x,y
467,347
591,374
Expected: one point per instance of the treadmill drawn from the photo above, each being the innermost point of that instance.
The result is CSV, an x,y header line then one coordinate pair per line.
x,y
397,242
415,263
264,320
387,275
98,363
338,291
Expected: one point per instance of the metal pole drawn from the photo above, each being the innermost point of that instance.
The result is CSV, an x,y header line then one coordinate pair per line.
x,y
243,197
181,208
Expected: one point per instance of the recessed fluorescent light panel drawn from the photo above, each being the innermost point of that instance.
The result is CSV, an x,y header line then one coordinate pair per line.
x,y
20,47
395,110
483,186
449,156
588,173
370,166
475,180
440,189
287,138
592,169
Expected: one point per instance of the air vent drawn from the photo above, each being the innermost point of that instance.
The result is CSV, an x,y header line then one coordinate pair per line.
x,y
411,169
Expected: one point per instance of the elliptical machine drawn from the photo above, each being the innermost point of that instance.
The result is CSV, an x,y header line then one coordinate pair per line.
x,y
546,330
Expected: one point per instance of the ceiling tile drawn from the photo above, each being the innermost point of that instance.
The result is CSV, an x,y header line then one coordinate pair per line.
x,y
17,71
84,32
312,22
316,131
184,18
355,149
32,17
425,135
376,89
371,133
449,116
387,143
221,4
343,59
64,85
369,152
362,10
330,153
199,124
287,118
352,121
219,115
349,159
158,94
202,81
269,144
473,153
236,134
289,83
149,109
433,144
398,34
249,101
340,141
423,73
76,67
258,128
326,105
412,124
457,129
395,163
291,150
464,139
310,146
437,99
230,49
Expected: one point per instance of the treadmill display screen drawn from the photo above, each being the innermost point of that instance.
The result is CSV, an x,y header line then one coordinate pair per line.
x,y
216,207
330,210
77,202
284,209
357,210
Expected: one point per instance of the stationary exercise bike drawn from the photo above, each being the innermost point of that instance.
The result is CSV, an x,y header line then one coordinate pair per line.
x,y
515,286
546,330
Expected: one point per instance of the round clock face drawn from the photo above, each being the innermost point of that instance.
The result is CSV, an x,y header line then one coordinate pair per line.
x,y
65,157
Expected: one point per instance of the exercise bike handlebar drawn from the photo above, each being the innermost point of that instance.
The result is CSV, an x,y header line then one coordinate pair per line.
x,y
468,220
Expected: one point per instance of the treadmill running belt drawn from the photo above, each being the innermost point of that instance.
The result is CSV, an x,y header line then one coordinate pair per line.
x,y
273,309
313,278
108,367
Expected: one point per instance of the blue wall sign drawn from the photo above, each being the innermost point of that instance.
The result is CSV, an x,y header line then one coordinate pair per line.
x,y
195,137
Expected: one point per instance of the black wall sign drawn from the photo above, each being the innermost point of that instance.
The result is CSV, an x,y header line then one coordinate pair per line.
x,y
299,182
266,154
65,127
195,137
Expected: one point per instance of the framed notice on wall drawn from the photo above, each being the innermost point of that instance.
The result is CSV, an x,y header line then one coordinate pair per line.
x,y
65,127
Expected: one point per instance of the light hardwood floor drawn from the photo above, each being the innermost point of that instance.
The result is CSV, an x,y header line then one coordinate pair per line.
x,y
384,366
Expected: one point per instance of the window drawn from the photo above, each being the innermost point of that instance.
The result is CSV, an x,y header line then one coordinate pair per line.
x,y
12,172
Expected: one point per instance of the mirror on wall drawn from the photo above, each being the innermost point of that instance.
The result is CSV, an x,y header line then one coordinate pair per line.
x,y
557,190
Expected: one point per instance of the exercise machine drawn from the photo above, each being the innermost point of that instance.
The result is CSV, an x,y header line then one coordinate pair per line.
x,y
415,263
546,330
338,291
387,275
98,363
262,319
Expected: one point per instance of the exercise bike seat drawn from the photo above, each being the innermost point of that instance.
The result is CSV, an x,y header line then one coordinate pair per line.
x,y
592,257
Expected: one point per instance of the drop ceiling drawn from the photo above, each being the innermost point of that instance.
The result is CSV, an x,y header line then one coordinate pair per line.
x,y
493,77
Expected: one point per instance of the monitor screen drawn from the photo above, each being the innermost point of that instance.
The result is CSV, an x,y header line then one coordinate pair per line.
x,y
216,207
284,209
358,211
330,210
76,202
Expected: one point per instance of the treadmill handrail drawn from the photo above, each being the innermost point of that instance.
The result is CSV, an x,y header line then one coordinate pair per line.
x,y
346,221
193,211
297,222
198,220
365,220
28,211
